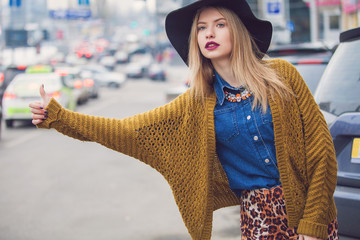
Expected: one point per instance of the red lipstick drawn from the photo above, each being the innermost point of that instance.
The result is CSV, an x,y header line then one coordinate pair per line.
x,y
211,45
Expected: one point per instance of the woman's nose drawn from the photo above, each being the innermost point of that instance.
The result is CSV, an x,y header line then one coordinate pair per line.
x,y
210,33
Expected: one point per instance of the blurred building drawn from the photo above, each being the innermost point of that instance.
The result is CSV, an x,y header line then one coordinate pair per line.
x,y
350,13
308,20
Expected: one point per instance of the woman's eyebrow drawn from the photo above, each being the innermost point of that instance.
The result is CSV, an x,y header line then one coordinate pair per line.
x,y
214,20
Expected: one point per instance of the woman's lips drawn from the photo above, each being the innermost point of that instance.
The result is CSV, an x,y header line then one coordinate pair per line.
x,y
211,45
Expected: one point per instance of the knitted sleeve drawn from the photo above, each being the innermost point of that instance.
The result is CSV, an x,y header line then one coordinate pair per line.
x,y
321,165
127,135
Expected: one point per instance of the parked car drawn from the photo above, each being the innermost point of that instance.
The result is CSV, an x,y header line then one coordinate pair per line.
x,y
157,72
104,77
139,64
309,59
90,84
121,57
134,70
109,62
338,96
24,88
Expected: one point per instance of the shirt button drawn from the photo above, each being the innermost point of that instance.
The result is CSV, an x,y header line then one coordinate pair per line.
x,y
267,160
248,117
256,138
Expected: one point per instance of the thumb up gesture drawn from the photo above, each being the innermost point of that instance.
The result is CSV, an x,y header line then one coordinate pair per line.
x,y
39,114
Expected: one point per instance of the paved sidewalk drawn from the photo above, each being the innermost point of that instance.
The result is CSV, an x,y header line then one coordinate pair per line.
x,y
226,224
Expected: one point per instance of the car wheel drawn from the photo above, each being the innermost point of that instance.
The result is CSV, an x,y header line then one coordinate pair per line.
x,y
9,123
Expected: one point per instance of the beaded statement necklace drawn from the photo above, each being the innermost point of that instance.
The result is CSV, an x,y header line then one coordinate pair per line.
x,y
241,95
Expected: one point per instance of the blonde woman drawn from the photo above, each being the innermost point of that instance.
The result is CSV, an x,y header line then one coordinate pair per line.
x,y
247,133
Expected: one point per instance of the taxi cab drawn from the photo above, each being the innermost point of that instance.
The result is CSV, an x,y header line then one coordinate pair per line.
x,y
24,88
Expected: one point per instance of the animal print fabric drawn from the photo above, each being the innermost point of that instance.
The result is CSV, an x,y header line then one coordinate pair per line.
x,y
263,216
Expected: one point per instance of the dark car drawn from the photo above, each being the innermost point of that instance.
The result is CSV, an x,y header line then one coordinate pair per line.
x,y
308,58
10,72
2,89
338,96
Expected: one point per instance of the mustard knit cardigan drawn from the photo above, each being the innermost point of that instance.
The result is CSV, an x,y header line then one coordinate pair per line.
x,y
178,140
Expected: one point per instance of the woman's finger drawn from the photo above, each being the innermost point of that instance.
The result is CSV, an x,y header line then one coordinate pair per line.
x,y
38,111
39,116
37,121
36,105
44,96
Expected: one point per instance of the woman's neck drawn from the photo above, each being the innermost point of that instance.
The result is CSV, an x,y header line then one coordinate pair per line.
x,y
224,70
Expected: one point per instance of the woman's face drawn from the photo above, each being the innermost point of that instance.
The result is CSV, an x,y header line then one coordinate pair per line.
x,y
214,35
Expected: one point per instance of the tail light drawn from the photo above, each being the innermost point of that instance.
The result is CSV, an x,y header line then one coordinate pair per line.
x,y
55,94
9,95
99,49
61,73
78,84
21,67
88,55
88,82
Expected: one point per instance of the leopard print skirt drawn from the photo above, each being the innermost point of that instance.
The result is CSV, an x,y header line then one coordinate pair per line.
x,y
263,216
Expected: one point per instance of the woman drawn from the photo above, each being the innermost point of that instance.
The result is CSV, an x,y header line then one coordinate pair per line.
x,y
247,132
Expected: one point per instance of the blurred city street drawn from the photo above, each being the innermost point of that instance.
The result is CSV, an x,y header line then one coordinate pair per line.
x,y
54,187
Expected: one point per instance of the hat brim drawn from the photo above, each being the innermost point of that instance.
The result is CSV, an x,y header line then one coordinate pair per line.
x,y
178,24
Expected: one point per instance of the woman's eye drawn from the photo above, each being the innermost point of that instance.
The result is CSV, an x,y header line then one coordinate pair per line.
x,y
201,28
221,25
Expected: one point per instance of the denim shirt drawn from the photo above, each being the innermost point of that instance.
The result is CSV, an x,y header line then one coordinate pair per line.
x,y
245,142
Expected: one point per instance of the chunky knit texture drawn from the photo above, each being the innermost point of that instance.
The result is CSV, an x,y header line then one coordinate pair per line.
x,y
178,140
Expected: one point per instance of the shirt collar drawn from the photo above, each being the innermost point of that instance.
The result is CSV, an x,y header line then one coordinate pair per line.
x,y
219,85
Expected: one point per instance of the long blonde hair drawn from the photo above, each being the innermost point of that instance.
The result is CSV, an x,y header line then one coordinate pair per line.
x,y
257,74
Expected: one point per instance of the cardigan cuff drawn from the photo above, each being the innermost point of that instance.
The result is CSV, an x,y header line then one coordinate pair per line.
x,y
53,109
312,229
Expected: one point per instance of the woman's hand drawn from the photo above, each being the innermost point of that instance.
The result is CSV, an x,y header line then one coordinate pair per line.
x,y
39,114
304,237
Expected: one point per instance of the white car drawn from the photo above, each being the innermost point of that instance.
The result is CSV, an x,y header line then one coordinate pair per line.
x,y
104,77
109,62
24,88
121,57
139,65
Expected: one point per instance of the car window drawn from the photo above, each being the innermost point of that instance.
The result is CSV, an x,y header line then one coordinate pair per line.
x,y
339,89
311,74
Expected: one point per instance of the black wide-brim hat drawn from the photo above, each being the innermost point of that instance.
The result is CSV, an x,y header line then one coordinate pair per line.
x,y
178,24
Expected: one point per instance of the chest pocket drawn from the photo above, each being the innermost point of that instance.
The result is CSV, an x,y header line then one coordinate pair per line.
x,y
226,124
266,118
